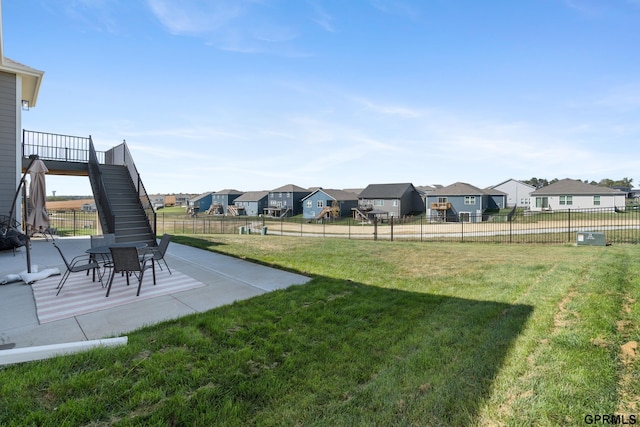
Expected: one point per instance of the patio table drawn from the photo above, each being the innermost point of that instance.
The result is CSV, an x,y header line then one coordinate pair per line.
x,y
105,253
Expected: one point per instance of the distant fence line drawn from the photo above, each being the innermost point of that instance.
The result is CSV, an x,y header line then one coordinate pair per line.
x,y
620,226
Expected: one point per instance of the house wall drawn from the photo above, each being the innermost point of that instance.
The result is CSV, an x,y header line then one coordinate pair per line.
x,y
495,202
458,206
581,202
311,212
287,200
310,209
518,194
202,204
9,153
396,207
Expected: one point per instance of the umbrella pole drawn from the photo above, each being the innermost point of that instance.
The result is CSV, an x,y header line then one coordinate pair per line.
x,y
26,228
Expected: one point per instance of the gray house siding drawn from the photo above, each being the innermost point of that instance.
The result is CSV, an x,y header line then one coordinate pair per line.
x,y
396,199
9,170
253,202
314,203
224,199
201,203
289,196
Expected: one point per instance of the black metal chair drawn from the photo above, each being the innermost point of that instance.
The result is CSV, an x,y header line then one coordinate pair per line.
x,y
102,240
159,251
126,260
78,264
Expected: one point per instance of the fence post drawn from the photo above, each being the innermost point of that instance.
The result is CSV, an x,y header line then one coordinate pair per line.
x,y
75,224
375,227
421,222
569,226
510,219
462,228
391,224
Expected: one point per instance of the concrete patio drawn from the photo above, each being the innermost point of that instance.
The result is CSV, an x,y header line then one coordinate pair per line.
x,y
227,280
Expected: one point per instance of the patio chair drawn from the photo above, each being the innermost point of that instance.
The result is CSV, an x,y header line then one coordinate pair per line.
x,y
102,240
77,264
126,260
160,250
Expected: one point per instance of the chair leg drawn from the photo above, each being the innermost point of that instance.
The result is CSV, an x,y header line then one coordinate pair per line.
x,y
110,282
62,281
140,282
165,263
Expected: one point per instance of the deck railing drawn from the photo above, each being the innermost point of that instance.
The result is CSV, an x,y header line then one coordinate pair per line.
x,y
63,148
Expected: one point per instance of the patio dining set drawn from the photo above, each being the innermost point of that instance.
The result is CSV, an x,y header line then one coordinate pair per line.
x,y
105,254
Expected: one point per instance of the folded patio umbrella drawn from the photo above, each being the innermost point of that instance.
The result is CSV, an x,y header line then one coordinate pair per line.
x,y
38,219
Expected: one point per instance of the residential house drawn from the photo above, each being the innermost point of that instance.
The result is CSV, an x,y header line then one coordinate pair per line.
x,y
462,202
518,193
388,200
157,200
221,200
200,203
327,203
251,203
19,87
575,194
286,201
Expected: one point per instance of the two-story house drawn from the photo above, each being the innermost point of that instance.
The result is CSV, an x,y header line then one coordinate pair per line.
x,y
462,202
285,201
328,203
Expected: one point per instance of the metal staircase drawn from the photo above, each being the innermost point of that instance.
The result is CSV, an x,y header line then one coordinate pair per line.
x,y
131,223
124,207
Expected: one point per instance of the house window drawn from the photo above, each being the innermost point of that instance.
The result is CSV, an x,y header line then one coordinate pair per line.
x,y
596,200
469,200
288,195
309,204
542,202
280,195
395,203
378,202
442,200
320,204
566,200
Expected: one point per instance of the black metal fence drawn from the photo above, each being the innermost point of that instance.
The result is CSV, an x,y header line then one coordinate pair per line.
x,y
621,226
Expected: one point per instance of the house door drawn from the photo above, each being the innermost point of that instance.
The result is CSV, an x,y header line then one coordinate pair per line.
x,y
465,217
542,202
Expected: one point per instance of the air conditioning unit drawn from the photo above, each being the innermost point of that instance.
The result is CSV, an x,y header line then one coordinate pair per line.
x,y
590,238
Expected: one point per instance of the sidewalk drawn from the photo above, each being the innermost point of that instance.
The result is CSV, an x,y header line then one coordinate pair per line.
x,y
227,280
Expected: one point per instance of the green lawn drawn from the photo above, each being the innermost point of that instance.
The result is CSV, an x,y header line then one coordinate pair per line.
x,y
386,333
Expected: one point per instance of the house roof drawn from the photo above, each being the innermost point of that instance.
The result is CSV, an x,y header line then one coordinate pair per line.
x,y
228,191
339,195
355,191
252,196
290,188
574,187
512,180
386,191
461,189
201,196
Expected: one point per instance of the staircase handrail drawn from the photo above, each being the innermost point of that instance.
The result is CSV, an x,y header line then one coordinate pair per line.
x,y
97,183
120,155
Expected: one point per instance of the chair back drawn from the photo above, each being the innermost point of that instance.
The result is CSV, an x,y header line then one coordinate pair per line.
x,y
125,259
62,255
164,243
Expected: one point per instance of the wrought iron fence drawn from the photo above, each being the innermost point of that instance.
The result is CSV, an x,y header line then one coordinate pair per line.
x,y
619,226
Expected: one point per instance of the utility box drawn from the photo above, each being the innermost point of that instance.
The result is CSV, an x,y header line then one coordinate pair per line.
x,y
590,238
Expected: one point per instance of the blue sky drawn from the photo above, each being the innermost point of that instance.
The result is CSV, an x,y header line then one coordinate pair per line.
x,y
256,94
